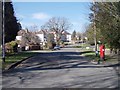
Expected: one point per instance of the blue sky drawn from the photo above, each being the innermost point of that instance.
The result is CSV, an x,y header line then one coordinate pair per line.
x,y
37,13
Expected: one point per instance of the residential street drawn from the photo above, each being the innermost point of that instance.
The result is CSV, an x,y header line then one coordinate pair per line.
x,y
60,44
65,68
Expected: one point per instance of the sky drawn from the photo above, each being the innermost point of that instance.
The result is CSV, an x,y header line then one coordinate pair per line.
x,y
38,13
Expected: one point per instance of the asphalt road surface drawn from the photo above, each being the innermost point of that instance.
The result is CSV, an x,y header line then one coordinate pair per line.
x,y
65,68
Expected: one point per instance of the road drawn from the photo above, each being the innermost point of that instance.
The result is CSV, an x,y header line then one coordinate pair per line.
x,y
65,68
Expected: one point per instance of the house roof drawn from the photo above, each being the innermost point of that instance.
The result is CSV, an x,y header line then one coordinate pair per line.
x,y
42,32
65,32
51,31
21,32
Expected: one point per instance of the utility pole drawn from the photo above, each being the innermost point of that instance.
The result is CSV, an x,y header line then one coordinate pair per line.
x,y
3,31
94,27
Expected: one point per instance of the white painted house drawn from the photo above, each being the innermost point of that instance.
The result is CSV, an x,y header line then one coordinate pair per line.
x,y
19,38
69,37
20,33
66,36
42,34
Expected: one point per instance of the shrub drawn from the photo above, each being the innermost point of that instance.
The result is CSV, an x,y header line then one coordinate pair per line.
x,y
11,46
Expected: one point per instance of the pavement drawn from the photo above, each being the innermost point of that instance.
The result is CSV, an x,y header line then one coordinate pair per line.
x,y
64,68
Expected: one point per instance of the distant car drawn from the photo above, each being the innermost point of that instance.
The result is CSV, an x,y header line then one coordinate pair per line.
x,y
57,47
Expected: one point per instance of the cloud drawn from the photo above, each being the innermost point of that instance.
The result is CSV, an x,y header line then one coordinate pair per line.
x,y
40,16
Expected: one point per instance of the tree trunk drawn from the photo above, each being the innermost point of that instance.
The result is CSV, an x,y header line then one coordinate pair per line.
x,y
111,50
119,56
115,51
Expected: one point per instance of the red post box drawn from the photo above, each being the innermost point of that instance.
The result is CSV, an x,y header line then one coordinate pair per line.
x,y
102,52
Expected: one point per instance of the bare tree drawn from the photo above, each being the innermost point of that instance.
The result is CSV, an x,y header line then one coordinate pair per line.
x,y
57,25
34,27
29,38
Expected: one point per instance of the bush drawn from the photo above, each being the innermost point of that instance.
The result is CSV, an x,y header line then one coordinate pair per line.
x,y
51,45
34,47
11,46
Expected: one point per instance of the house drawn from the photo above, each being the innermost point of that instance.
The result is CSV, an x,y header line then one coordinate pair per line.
x,y
19,38
20,34
66,36
43,35
28,39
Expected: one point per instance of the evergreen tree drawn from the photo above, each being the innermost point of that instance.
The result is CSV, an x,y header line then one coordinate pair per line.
x,y
74,35
0,22
11,25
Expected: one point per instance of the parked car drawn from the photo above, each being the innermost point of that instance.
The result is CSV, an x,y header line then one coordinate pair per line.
x,y
57,47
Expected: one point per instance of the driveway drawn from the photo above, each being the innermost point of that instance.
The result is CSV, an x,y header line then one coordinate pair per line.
x,y
65,68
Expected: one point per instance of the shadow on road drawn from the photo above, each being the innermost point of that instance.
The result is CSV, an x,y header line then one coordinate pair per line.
x,y
57,60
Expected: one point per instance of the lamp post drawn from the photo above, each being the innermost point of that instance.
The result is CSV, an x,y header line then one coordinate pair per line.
x,y
3,31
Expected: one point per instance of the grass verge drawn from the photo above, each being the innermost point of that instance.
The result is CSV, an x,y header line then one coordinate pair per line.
x,y
92,56
13,58
84,45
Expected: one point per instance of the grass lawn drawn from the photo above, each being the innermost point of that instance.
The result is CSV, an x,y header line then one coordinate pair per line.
x,y
12,58
91,55
84,45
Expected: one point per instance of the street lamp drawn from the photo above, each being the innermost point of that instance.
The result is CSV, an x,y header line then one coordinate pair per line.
x,y
3,31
